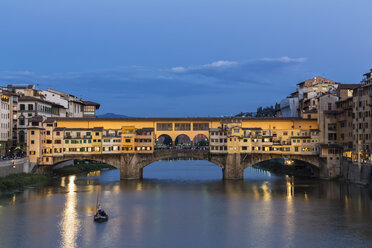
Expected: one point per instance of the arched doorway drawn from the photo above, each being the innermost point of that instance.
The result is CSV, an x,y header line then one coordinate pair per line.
x,y
164,141
200,141
21,137
182,141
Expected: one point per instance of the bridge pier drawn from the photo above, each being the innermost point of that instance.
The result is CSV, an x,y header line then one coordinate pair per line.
x,y
129,168
233,169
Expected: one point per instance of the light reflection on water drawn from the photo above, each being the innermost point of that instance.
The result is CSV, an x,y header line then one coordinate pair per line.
x,y
70,223
186,204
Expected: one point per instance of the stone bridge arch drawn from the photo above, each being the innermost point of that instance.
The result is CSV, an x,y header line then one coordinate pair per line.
x,y
319,163
252,158
110,159
131,164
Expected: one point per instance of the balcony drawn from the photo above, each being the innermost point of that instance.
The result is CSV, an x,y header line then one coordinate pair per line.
x,y
78,137
111,135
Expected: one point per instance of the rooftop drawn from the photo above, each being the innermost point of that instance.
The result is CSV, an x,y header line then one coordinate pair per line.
x,y
349,86
316,80
32,98
30,86
78,129
90,103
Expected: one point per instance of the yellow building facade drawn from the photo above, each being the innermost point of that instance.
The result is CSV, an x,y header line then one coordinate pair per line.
x,y
56,137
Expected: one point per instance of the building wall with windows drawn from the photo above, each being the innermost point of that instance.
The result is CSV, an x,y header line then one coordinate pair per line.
x,y
49,138
5,122
289,107
362,123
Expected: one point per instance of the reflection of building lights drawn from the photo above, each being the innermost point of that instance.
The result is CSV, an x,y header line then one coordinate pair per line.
x,y
256,194
266,192
290,187
94,173
71,184
70,223
139,186
63,184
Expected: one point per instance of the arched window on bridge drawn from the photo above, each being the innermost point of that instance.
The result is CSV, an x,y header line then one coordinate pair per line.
x,y
200,141
183,141
164,141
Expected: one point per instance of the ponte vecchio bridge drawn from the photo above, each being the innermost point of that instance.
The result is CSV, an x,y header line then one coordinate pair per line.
x,y
130,144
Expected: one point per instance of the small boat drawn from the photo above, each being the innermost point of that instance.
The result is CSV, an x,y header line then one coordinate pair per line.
x,y
101,217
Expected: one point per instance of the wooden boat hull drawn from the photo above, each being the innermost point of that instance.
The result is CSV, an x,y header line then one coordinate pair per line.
x,y
100,219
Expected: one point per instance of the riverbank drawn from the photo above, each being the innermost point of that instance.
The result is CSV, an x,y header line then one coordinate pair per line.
x,y
21,180
81,168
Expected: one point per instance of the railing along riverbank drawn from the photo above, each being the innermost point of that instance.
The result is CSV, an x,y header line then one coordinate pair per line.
x,y
14,166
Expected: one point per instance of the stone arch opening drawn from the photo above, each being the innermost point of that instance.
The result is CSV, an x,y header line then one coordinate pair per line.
x,y
164,141
288,166
182,142
81,161
200,141
181,168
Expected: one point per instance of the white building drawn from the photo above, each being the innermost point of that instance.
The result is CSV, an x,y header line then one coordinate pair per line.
x,y
29,107
289,107
5,122
74,106
56,98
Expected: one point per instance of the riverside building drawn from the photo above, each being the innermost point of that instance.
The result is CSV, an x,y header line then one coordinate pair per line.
x,y
27,102
5,122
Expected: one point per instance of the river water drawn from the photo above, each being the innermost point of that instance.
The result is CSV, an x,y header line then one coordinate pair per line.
x,y
186,204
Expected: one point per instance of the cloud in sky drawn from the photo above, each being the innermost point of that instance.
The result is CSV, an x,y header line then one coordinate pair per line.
x,y
285,59
216,64
218,88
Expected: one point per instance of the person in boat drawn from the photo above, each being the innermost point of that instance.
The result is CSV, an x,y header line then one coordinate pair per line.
x,y
100,211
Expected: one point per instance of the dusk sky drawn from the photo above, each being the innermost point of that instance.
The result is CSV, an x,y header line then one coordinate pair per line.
x,y
183,58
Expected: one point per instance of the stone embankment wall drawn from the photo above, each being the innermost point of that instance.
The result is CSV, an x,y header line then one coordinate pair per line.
x,y
15,166
355,174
